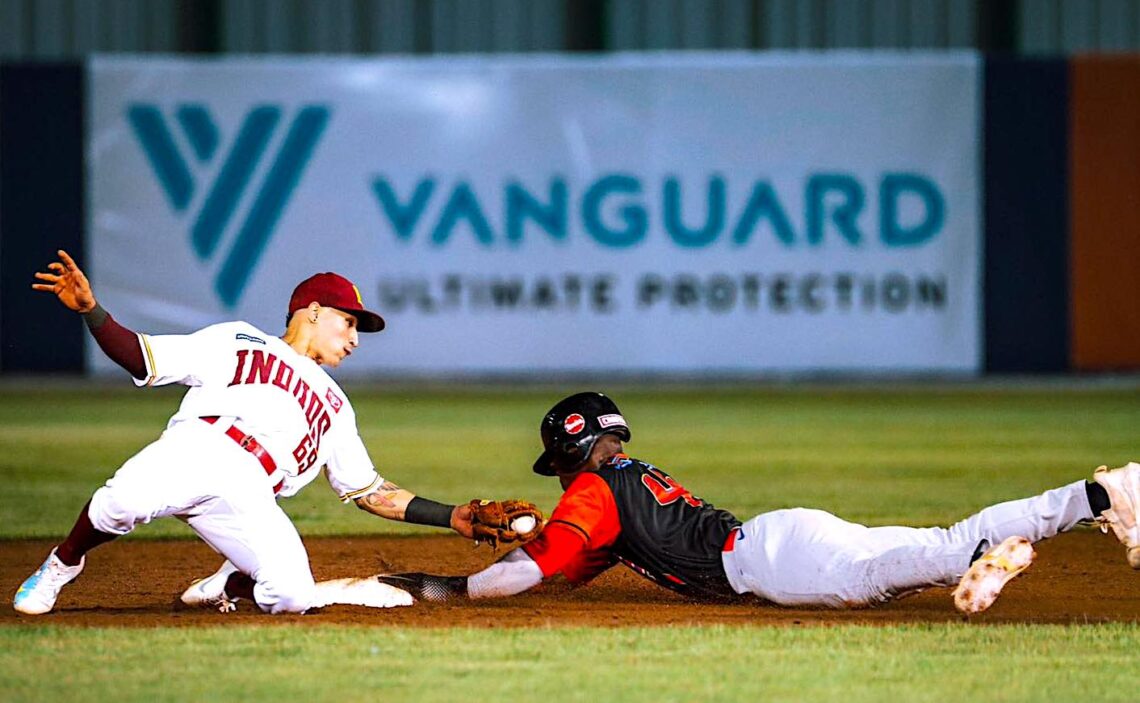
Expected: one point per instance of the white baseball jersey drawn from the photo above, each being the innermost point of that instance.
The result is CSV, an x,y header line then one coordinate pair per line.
x,y
284,399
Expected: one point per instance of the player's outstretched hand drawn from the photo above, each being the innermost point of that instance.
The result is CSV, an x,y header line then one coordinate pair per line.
x,y
68,282
461,520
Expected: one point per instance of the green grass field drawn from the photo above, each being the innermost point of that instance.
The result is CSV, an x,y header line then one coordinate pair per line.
x,y
910,454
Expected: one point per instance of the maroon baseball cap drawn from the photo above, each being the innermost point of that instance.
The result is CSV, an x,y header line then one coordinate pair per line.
x,y
334,291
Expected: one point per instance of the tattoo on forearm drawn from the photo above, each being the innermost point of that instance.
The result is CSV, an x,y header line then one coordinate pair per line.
x,y
384,498
387,493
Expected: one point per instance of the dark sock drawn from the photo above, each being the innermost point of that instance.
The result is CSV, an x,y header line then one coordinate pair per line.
x,y
1098,498
982,548
238,585
82,539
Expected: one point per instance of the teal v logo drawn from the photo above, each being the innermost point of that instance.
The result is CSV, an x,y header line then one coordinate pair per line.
x,y
176,175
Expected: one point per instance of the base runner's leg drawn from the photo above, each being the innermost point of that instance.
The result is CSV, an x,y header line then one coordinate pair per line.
x,y
903,560
809,557
876,578
798,557
1036,518
908,569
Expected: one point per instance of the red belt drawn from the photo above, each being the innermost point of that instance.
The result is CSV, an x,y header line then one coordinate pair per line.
x,y
730,543
249,443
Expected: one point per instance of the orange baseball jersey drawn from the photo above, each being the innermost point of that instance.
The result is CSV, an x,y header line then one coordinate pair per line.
x,y
634,512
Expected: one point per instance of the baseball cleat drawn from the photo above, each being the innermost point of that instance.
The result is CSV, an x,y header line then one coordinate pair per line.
x,y
210,592
37,594
983,581
1123,488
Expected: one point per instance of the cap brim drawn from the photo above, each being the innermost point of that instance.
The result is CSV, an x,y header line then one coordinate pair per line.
x,y
621,431
543,466
366,320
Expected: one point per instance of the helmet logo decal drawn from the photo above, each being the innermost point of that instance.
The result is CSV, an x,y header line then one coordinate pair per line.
x,y
612,421
574,424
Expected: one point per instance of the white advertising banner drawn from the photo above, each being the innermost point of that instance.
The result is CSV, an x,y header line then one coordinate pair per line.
x,y
688,213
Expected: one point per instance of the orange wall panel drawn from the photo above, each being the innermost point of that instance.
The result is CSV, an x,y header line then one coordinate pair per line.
x,y
1104,181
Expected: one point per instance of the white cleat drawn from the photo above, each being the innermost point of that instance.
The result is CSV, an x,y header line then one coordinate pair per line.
x,y
1123,487
37,594
210,592
983,581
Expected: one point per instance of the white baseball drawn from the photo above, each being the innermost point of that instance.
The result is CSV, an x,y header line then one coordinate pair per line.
x,y
523,524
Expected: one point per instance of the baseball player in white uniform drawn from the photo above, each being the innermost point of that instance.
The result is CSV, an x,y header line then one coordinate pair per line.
x,y
260,419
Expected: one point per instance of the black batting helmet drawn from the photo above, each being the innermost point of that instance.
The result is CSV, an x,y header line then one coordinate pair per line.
x,y
571,428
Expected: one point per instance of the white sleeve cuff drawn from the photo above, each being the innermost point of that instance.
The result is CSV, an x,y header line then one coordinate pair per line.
x,y
360,493
148,361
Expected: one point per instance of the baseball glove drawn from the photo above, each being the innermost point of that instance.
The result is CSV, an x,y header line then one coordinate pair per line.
x,y
494,521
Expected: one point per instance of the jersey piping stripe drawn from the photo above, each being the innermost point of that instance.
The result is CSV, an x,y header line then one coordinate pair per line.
x,y
585,535
370,488
150,379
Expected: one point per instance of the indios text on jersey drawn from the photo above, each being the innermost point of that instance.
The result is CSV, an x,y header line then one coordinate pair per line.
x,y
262,367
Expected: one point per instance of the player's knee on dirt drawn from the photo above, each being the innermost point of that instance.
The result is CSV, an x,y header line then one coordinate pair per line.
x,y
114,512
284,593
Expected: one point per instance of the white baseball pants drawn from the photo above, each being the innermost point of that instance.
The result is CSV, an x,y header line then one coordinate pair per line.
x,y
802,557
196,473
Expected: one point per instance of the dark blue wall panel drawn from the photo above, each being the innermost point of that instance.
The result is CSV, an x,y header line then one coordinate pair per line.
x,y
1026,134
41,210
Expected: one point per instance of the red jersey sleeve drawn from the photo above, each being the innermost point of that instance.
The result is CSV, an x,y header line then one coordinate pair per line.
x,y
584,523
587,564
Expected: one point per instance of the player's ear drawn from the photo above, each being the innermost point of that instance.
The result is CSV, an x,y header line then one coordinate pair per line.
x,y
314,311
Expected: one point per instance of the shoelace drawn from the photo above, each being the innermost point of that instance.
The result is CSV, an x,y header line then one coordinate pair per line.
x,y
1102,523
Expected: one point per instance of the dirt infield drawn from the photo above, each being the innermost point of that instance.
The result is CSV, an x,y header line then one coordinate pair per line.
x,y
1078,578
